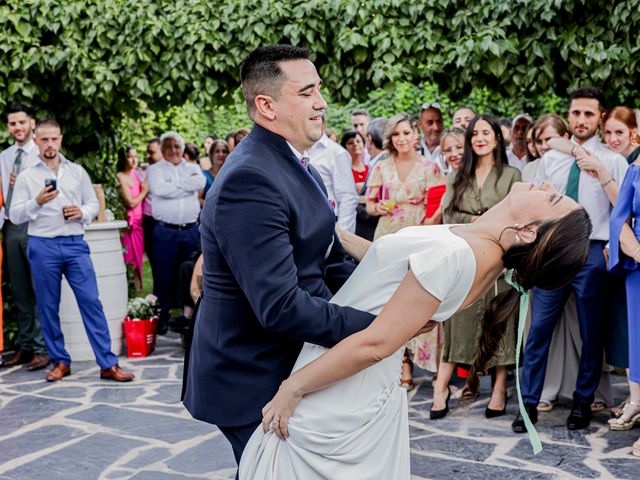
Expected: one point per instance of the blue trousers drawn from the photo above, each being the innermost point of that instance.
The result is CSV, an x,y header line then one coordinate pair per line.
x,y
238,437
50,258
633,309
546,308
170,248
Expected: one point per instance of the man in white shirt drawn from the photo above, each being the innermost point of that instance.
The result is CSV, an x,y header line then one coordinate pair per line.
x,y
334,166
23,153
431,125
517,151
174,184
596,195
56,198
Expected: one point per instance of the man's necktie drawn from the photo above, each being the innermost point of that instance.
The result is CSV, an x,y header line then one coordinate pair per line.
x,y
17,164
573,181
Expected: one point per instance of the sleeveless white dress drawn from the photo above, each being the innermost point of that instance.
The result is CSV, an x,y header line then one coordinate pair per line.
x,y
358,427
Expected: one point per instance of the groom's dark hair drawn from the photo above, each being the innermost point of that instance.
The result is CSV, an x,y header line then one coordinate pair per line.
x,y
261,74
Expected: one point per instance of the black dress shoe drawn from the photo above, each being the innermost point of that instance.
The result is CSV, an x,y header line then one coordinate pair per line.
x,y
491,413
580,416
518,425
179,324
436,414
163,326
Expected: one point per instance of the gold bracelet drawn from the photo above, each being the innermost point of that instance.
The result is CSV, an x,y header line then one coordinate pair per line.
x,y
633,255
604,184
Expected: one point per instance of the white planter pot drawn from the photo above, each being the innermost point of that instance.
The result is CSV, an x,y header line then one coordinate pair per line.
x,y
106,254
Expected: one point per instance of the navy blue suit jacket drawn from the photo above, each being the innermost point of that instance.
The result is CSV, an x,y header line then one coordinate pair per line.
x,y
266,227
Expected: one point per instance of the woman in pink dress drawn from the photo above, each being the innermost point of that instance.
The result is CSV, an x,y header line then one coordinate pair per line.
x,y
133,191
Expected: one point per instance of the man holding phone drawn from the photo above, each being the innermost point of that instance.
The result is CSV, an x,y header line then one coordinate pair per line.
x,y
14,160
56,198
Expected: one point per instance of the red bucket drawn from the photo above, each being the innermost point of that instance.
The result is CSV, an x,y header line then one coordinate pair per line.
x,y
140,336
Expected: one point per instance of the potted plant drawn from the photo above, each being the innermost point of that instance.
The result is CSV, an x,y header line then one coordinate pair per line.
x,y
140,325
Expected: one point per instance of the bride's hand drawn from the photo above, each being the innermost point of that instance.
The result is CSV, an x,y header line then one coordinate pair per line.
x,y
276,413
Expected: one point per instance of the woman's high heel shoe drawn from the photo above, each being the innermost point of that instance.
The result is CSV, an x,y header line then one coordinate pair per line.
x,y
436,414
491,413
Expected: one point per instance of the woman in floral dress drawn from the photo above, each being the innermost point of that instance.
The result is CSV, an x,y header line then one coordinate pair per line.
x,y
397,192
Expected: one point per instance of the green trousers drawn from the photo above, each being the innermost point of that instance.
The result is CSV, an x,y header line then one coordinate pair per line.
x,y
15,248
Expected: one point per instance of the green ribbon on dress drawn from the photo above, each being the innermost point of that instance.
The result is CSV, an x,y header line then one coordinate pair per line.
x,y
534,439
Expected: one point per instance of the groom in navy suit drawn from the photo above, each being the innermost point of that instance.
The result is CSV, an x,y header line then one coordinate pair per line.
x,y
271,258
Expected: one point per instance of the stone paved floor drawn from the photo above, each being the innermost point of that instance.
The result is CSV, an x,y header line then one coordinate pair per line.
x,y
84,428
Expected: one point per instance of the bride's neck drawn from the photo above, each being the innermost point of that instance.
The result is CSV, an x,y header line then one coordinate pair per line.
x,y
494,227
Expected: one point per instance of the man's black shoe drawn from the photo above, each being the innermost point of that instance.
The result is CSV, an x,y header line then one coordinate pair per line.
x,y
179,324
163,326
518,425
580,416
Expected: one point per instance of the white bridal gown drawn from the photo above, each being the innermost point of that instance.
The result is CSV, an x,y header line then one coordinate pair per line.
x,y
357,428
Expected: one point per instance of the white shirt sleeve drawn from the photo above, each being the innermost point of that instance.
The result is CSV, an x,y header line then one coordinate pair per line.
x,y
24,207
192,178
345,190
90,206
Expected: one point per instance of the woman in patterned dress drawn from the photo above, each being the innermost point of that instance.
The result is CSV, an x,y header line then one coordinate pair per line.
x,y
397,193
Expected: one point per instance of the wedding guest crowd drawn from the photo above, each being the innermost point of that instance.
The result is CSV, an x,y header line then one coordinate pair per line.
x,y
381,175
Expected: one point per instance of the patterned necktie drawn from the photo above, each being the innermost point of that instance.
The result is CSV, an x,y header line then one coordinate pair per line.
x,y
573,181
16,169
305,162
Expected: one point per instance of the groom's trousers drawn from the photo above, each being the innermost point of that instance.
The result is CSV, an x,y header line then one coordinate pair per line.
x,y
238,437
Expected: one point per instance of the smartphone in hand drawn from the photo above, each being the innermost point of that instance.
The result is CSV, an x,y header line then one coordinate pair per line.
x,y
51,181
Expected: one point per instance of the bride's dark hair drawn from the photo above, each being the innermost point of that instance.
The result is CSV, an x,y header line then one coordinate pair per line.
x,y
556,255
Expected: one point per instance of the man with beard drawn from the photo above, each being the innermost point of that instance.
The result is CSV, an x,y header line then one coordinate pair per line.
x,y
56,198
13,161
589,175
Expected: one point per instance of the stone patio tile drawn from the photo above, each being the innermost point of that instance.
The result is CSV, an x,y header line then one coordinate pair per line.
x,y
454,446
438,468
159,427
118,394
155,373
167,393
25,410
147,457
567,458
153,475
65,391
36,440
622,468
201,459
77,462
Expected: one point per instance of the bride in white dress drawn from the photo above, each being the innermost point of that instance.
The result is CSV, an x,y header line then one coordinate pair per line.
x,y
341,414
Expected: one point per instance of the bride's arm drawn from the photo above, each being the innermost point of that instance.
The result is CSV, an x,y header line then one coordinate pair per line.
x,y
408,310
354,245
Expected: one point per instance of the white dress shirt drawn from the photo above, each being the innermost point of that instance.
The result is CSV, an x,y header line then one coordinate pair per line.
x,y
7,160
174,190
515,161
434,156
334,166
47,220
554,166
